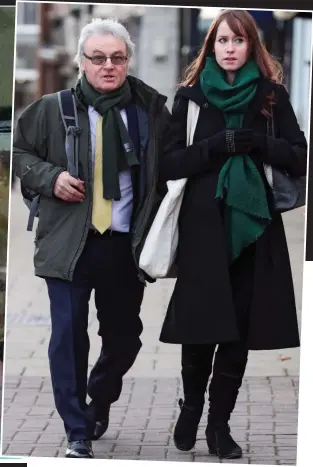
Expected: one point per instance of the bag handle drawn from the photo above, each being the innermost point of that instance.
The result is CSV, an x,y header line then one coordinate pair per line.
x,y
192,119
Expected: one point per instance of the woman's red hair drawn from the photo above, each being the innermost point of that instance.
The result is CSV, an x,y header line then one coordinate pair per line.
x,y
242,24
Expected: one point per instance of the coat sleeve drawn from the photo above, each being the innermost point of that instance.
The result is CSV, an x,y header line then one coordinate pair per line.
x,y
30,151
178,161
288,149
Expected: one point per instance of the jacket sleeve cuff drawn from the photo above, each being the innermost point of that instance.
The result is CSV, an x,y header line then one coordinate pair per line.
x,y
42,177
54,179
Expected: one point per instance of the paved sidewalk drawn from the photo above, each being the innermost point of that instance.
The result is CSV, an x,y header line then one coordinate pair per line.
x,y
142,421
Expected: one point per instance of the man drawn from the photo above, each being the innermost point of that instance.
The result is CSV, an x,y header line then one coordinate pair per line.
x,y
91,228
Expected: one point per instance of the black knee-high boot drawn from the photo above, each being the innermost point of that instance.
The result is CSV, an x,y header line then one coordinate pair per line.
x,y
223,393
222,396
196,368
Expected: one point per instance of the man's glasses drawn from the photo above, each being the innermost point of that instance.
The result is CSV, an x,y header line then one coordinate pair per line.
x,y
101,59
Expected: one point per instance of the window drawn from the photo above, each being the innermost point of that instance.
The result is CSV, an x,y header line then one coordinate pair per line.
x,y
27,13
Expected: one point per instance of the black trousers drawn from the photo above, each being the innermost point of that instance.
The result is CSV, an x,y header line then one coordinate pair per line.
x,y
228,360
107,267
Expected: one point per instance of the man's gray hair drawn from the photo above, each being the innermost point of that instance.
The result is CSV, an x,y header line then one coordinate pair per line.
x,y
102,27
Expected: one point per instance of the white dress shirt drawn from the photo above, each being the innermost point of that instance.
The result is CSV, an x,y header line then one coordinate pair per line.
x,y
122,209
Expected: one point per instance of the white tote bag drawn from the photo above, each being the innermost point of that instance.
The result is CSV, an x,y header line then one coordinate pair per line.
x,y
159,251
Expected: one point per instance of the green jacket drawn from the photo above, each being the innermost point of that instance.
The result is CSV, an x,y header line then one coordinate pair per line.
x,y
39,157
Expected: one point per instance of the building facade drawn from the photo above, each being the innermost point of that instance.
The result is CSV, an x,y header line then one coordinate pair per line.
x,y
166,39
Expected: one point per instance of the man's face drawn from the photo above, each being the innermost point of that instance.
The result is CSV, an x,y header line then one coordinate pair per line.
x,y
105,76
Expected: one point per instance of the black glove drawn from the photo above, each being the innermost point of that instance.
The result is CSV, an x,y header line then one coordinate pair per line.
x,y
259,142
245,141
240,141
235,141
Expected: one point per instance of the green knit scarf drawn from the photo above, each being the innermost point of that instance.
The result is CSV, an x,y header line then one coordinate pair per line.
x,y
240,183
118,148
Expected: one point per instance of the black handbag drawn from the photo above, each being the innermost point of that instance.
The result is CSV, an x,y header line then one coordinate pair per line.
x,y
289,192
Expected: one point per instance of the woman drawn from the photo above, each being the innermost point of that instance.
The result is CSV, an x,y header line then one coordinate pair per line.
x,y
234,285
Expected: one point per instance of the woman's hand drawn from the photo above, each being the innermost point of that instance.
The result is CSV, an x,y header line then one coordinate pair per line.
x,y
234,141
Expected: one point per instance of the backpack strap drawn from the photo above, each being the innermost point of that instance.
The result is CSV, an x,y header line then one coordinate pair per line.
x,y
33,211
68,111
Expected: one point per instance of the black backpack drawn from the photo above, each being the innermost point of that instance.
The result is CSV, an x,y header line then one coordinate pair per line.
x,y
68,110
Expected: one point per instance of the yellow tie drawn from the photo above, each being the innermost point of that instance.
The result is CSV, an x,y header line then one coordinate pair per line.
x,y
101,208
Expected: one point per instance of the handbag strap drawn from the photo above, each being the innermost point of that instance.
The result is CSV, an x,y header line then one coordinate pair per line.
x,y
270,132
270,124
192,118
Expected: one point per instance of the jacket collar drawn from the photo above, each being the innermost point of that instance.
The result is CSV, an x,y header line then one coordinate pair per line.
x,y
145,93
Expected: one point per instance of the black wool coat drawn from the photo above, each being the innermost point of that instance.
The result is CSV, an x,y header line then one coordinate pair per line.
x,y
201,309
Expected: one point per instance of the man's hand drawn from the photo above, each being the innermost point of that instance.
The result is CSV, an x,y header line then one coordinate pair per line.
x,y
69,188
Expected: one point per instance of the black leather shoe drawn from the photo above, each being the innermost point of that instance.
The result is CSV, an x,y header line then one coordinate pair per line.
x,y
100,428
185,433
223,444
100,419
79,449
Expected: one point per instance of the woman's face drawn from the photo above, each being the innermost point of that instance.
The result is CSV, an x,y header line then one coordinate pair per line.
x,y
231,51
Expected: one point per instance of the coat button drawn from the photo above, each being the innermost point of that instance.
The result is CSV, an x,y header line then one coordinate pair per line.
x,y
205,105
